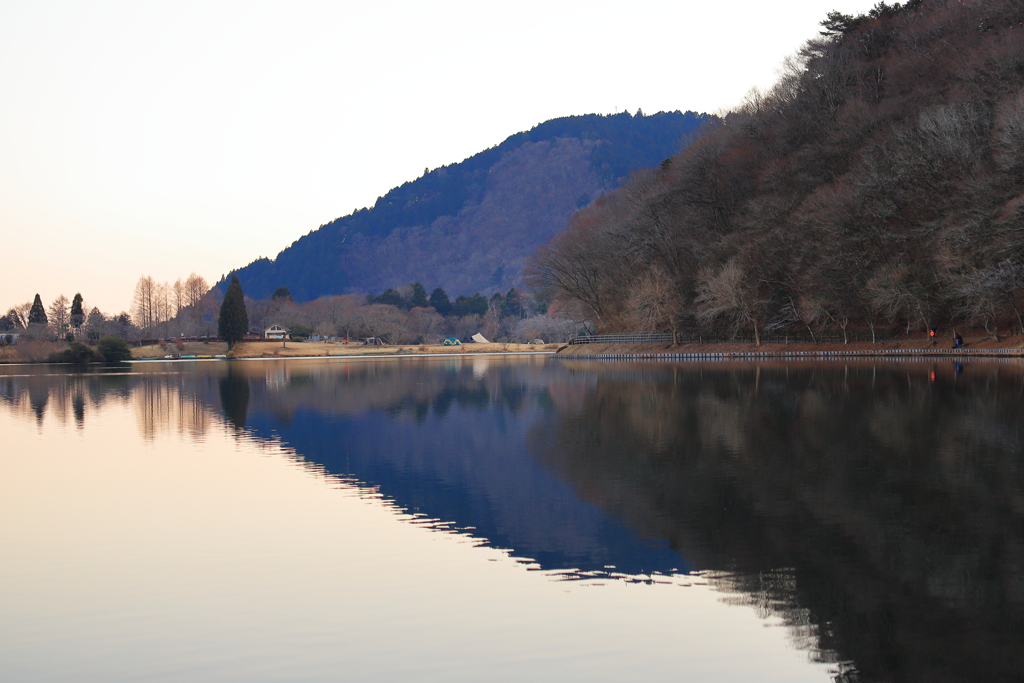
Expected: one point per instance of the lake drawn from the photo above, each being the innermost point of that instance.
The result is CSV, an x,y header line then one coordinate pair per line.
x,y
512,518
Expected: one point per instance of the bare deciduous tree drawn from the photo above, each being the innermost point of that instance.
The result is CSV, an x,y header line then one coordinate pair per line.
x,y
144,303
893,292
654,302
178,296
344,314
984,293
728,294
426,323
94,323
21,310
257,311
195,289
385,322
59,315
584,262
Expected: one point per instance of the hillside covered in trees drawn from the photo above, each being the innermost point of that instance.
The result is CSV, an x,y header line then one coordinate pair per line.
x,y
878,184
468,227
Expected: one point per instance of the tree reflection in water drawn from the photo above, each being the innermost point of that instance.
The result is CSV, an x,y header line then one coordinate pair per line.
x,y
891,495
234,397
877,508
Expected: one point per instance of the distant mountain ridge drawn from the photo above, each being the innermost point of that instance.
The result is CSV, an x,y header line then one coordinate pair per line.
x,y
469,226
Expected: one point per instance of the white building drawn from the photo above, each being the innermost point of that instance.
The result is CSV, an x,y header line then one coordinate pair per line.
x,y
275,331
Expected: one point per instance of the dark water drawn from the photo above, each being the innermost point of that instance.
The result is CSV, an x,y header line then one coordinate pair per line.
x,y
874,510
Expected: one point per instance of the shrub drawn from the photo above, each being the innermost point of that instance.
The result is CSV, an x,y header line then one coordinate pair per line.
x,y
76,352
300,331
114,349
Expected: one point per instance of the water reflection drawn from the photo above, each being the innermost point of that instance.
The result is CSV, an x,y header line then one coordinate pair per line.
x,y
448,440
876,508
234,397
893,496
162,401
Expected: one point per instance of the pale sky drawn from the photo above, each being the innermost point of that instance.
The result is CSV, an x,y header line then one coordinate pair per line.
x,y
160,138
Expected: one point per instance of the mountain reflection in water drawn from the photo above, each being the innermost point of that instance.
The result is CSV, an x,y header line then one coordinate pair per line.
x,y
877,508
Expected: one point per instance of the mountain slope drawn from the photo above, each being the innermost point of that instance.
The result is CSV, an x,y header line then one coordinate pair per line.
x,y
469,226
877,185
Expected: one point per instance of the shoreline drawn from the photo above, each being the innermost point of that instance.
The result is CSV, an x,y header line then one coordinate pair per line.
x,y
35,352
348,356
974,347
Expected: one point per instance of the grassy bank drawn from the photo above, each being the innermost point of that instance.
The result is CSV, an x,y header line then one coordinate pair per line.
x,y
293,349
317,349
37,351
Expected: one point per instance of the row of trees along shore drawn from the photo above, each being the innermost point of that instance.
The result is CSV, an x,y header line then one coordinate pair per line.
x,y
186,307
62,319
190,308
878,184
410,316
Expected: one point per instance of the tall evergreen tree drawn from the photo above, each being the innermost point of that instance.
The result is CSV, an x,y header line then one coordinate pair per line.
x,y
513,305
440,301
77,314
37,315
233,323
17,322
418,297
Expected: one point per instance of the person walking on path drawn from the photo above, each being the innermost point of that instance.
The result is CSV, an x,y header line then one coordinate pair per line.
x,y
958,341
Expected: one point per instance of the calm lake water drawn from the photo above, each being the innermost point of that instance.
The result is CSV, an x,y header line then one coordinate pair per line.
x,y
512,519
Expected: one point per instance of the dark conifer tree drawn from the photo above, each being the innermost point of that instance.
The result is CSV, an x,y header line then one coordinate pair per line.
x,y
15,319
513,305
282,294
391,297
418,298
470,305
77,314
440,301
37,316
233,323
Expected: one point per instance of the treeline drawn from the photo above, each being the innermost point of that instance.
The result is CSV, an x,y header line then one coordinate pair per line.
x,y
187,307
879,183
410,316
63,319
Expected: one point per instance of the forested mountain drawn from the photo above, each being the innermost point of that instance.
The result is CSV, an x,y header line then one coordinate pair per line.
x,y
468,227
879,183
